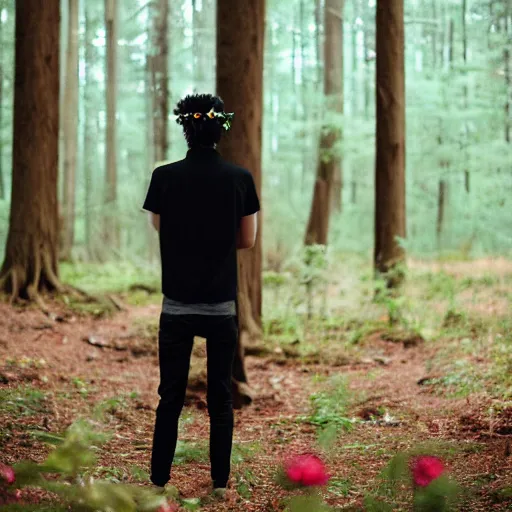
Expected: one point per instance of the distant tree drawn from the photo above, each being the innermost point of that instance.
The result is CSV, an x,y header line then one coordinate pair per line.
x,y
111,232
2,185
159,73
90,132
328,183
240,36
390,138
204,55
30,264
70,132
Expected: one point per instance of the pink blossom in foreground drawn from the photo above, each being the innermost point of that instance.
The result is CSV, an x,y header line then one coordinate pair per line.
x,y
307,470
7,473
168,507
426,469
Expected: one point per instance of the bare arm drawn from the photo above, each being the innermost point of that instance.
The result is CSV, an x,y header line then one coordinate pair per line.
x,y
247,232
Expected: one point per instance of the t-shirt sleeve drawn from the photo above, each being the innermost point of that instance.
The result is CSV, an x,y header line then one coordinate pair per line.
x,y
152,202
251,200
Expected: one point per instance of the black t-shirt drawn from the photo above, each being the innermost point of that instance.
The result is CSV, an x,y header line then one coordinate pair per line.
x,y
201,201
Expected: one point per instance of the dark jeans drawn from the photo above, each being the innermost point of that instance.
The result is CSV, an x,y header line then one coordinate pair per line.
x,y
175,340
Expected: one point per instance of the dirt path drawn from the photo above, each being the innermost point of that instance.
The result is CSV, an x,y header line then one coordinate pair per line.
x,y
76,376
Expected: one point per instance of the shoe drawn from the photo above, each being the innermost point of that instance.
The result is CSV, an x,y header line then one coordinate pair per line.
x,y
219,492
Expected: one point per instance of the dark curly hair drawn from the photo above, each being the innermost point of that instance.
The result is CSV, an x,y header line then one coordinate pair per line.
x,y
203,131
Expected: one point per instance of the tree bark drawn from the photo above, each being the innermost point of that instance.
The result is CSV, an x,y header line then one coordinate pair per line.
x,y
90,114
159,65
2,184
70,134
240,41
390,137
30,263
329,176
111,234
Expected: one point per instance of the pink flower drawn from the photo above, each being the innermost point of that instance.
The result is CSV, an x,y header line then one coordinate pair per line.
x,y
307,470
7,473
425,469
168,507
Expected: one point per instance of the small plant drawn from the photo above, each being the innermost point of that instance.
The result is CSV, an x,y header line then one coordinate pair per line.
x,y
313,273
69,467
420,478
187,451
23,400
275,281
329,406
391,300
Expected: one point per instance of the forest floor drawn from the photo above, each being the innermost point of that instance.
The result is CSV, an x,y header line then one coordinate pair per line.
x,y
441,376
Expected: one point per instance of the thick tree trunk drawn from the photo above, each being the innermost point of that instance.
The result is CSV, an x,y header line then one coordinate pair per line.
x,y
70,132
30,263
390,136
111,233
240,36
159,65
329,175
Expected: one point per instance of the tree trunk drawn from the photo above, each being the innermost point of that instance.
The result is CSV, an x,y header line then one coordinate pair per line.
x,y
111,234
304,94
451,36
2,184
204,54
149,231
464,31
435,33
508,92
240,36
335,87
355,62
318,42
70,135
159,63
366,50
441,202
90,114
390,137
30,263
329,177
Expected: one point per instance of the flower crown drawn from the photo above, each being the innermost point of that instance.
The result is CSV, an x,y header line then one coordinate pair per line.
x,y
224,116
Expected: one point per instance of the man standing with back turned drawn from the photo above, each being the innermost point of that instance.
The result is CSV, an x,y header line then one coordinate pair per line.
x,y
204,209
